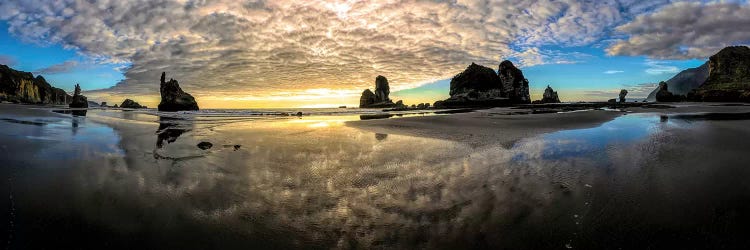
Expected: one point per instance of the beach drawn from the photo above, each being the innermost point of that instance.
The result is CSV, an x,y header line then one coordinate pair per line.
x,y
638,178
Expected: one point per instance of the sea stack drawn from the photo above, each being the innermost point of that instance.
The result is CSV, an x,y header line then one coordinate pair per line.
x,y
480,86
514,83
78,100
130,104
378,99
549,96
173,98
623,93
663,95
728,77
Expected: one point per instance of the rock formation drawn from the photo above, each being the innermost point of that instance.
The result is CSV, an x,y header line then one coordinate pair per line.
x,y
173,98
683,82
476,81
728,77
23,87
623,93
479,86
78,100
130,104
549,96
380,98
664,95
514,83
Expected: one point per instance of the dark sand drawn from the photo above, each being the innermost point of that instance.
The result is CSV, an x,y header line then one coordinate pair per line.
x,y
486,180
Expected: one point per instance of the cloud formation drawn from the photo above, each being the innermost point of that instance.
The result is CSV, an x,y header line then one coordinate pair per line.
x,y
609,72
274,49
660,67
64,67
7,60
685,30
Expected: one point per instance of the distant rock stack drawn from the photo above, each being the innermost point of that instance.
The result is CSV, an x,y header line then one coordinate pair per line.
x,y
382,90
173,98
728,77
663,95
480,86
623,93
380,98
130,104
514,83
78,100
549,96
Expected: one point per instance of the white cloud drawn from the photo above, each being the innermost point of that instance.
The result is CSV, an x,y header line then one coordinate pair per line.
x,y
613,72
660,67
64,67
685,30
265,47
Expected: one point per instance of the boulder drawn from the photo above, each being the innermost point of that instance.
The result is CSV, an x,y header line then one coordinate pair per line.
x,y
130,104
623,93
514,83
173,98
728,77
78,100
367,98
382,90
205,145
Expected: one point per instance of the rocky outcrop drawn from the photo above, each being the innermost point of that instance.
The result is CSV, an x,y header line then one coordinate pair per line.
x,y
173,98
664,95
23,87
514,83
476,82
623,93
549,96
479,86
728,77
380,98
78,100
130,104
683,82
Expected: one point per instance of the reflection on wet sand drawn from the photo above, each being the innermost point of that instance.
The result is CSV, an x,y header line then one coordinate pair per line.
x,y
314,183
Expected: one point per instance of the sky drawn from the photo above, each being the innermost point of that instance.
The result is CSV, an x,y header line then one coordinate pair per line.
x,y
287,53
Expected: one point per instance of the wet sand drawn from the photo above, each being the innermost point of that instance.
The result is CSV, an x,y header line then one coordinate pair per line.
x,y
486,180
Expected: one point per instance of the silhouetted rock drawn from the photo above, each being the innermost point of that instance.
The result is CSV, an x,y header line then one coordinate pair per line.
x,y
23,87
476,82
115,106
205,145
683,82
549,96
623,93
104,104
664,95
78,100
514,83
130,104
173,98
367,98
728,77
612,100
380,98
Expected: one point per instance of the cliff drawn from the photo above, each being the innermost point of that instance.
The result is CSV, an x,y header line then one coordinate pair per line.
x,y
683,82
728,77
515,85
23,87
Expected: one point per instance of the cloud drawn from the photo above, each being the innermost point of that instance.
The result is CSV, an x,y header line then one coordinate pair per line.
x,y
7,60
63,67
659,67
613,72
267,49
685,30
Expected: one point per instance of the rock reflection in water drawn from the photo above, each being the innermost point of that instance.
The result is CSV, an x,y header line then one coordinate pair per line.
x,y
169,131
300,184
